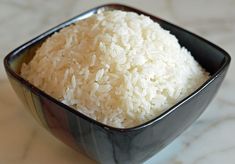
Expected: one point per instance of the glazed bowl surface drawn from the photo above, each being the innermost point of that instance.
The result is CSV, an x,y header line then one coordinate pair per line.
x,y
107,144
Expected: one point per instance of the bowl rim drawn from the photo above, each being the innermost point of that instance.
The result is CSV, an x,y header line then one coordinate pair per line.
x,y
16,52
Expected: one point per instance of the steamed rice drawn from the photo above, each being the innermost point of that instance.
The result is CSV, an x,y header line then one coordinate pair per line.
x,y
119,68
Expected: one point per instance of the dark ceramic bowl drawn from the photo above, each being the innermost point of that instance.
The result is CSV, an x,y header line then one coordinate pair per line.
x,y
107,144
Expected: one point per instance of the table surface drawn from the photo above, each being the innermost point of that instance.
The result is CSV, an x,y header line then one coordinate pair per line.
x,y
211,139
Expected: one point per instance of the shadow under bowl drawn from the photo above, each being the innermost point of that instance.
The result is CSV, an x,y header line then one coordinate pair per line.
x,y
107,144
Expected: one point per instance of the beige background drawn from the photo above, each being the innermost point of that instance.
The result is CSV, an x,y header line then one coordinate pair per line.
x,y
209,140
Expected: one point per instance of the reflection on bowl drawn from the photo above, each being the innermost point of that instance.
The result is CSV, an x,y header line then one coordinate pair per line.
x,y
107,144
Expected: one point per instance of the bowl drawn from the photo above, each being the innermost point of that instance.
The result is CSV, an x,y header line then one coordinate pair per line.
x,y
107,144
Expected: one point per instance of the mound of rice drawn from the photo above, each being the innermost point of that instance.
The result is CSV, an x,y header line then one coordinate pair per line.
x,y
119,68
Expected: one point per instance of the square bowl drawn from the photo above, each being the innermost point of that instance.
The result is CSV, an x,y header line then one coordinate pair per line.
x,y
107,144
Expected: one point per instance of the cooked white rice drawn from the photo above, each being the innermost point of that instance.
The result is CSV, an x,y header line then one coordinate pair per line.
x,y
116,67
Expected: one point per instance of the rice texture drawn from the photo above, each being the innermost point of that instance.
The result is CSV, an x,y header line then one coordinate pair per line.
x,y
119,68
